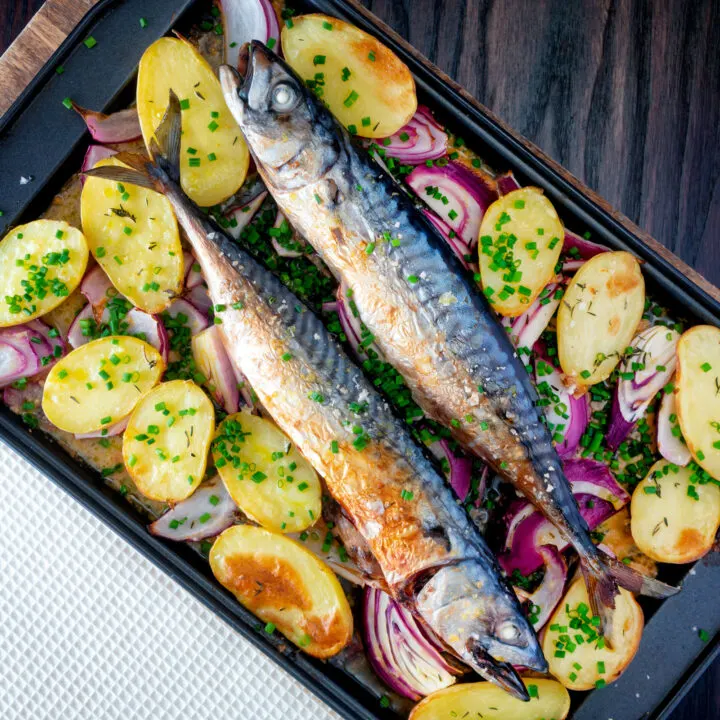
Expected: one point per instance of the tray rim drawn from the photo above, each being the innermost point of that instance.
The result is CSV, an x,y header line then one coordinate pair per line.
x,y
91,496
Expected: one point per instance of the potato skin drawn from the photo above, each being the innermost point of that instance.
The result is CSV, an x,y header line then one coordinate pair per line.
x,y
668,524
384,86
598,317
487,701
284,584
697,398
628,624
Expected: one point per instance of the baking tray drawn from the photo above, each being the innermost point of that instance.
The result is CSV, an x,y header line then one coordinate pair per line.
x,y
41,144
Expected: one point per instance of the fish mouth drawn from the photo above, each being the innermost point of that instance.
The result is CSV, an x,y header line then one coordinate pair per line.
x,y
501,673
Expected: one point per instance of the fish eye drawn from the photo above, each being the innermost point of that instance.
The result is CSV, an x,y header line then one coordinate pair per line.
x,y
508,631
283,97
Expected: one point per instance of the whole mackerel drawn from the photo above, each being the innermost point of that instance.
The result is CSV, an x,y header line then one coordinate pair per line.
x,y
430,553
413,295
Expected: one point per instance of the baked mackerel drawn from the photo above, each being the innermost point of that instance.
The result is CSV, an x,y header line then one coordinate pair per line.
x,y
427,318
431,555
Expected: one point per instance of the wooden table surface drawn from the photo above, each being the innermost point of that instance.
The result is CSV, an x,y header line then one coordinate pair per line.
x,y
624,93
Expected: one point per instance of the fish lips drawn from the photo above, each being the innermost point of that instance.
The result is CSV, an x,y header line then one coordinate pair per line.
x,y
254,58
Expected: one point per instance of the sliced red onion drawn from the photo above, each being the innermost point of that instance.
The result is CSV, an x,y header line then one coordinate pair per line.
x,y
244,214
193,277
19,356
213,361
52,339
197,321
281,250
94,154
399,651
109,431
351,324
566,415
97,289
669,437
451,238
75,334
206,513
117,127
585,250
420,140
152,327
598,496
460,469
549,592
525,330
457,195
653,348
246,20
506,183
200,298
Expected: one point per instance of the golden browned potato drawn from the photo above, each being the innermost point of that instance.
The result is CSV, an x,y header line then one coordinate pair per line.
x,y
133,234
698,400
591,664
266,476
598,316
548,699
166,443
365,85
673,518
214,158
521,238
44,260
286,586
99,384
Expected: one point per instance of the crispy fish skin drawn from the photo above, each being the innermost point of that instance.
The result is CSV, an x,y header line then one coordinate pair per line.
x,y
391,491
412,294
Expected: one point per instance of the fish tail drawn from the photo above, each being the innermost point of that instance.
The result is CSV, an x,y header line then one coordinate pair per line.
x,y
603,578
162,170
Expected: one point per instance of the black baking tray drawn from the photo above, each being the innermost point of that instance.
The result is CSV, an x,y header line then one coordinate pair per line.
x,y
41,145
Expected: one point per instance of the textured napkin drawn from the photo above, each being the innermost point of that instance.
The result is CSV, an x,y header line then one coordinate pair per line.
x,y
91,630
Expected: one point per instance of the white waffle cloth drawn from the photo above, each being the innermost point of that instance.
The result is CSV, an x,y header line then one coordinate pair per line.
x,y
91,630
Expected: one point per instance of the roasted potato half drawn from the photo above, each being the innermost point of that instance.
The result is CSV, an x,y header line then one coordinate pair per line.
x,y
99,384
133,234
577,656
266,476
44,260
365,85
674,518
698,400
548,699
214,158
521,238
598,316
166,443
286,586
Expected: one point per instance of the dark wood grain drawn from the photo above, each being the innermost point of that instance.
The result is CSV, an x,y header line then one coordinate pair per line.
x,y
624,93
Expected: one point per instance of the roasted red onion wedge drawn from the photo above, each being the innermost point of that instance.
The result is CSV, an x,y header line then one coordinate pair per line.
x,y
196,320
206,513
525,330
94,154
193,276
117,127
548,594
246,20
598,496
420,140
506,183
642,375
458,196
241,216
109,431
97,289
577,250
402,655
463,252
214,363
671,444
460,469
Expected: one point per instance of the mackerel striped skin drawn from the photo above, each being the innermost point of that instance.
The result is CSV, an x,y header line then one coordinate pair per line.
x,y
428,320
431,555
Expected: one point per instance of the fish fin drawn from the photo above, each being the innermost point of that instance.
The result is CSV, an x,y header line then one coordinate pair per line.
x,y
165,145
120,174
635,581
602,586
